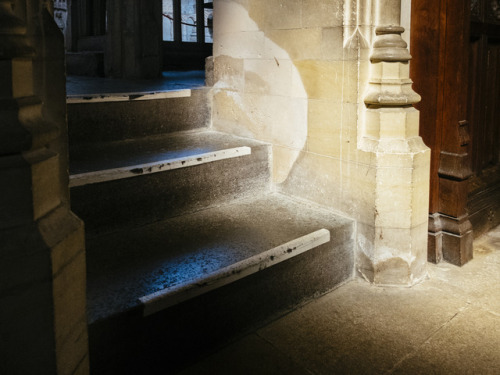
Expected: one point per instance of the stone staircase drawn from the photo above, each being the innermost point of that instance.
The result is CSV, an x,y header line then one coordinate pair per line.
x,y
188,247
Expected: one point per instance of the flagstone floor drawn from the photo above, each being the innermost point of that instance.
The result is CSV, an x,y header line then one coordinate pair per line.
x,y
448,324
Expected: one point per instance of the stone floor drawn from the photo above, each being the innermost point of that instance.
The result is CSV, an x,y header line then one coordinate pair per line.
x,y
449,324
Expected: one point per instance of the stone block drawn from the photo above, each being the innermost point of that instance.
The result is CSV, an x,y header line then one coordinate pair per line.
x,y
335,80
73,352
421,190
316,178
44,171
392,123
358,191
272,118
229,73
332,45
324,127
392,256
322,13
300,44
268,77
284,159
389,71
232,17
240,45
276,14
393,195
227,115
286,126
403,258
69,297
332,128
30,192
273,51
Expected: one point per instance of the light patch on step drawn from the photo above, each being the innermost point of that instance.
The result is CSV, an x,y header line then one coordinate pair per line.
x,y
125,97
178,293
158,166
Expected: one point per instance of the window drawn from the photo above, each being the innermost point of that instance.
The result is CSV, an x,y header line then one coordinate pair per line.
x,y
187,33
187,21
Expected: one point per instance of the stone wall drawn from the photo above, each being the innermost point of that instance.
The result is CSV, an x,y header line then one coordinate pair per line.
x,y
295,73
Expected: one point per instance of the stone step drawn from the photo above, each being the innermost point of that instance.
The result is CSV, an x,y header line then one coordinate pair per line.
x,y
113,116
162,294
134,182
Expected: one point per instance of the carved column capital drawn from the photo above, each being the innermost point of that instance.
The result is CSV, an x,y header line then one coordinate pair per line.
x,y
389,46
390,84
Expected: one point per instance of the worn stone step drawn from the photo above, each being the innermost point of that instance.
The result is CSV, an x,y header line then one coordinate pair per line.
x,y
133,182
115,116
161,294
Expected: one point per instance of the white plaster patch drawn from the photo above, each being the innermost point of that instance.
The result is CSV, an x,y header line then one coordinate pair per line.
x,y
274,100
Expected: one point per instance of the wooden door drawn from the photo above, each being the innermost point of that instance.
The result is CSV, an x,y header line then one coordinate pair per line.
x,y
484,114
456,68
439,69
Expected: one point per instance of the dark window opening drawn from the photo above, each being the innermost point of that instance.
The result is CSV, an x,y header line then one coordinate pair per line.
x,y
187,33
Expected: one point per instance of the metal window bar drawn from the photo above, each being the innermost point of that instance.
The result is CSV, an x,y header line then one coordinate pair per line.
x,y
177,21
200,21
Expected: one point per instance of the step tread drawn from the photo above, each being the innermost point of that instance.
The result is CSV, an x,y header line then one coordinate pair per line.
x,y
81,87
124,266
130,153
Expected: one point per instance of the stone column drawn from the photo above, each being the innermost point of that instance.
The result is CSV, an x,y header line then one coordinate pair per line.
x,y
43,325
393,232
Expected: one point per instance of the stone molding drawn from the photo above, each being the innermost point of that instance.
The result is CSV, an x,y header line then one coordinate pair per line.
x,y
393,237
358,23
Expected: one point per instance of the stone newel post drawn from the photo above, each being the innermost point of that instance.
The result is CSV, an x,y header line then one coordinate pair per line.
x,y
393,237
43,325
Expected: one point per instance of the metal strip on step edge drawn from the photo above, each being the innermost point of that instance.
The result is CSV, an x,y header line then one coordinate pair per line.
x,y
179,293
155,167
127,97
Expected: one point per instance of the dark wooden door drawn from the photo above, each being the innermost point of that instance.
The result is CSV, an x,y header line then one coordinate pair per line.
x,y
439,69
484,114
456,68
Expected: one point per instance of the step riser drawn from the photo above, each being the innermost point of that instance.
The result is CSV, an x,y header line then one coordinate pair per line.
x,y
171,339
110,121
150,197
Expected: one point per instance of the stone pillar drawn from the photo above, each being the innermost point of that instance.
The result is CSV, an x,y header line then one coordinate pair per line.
x,y
393,232
43,325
